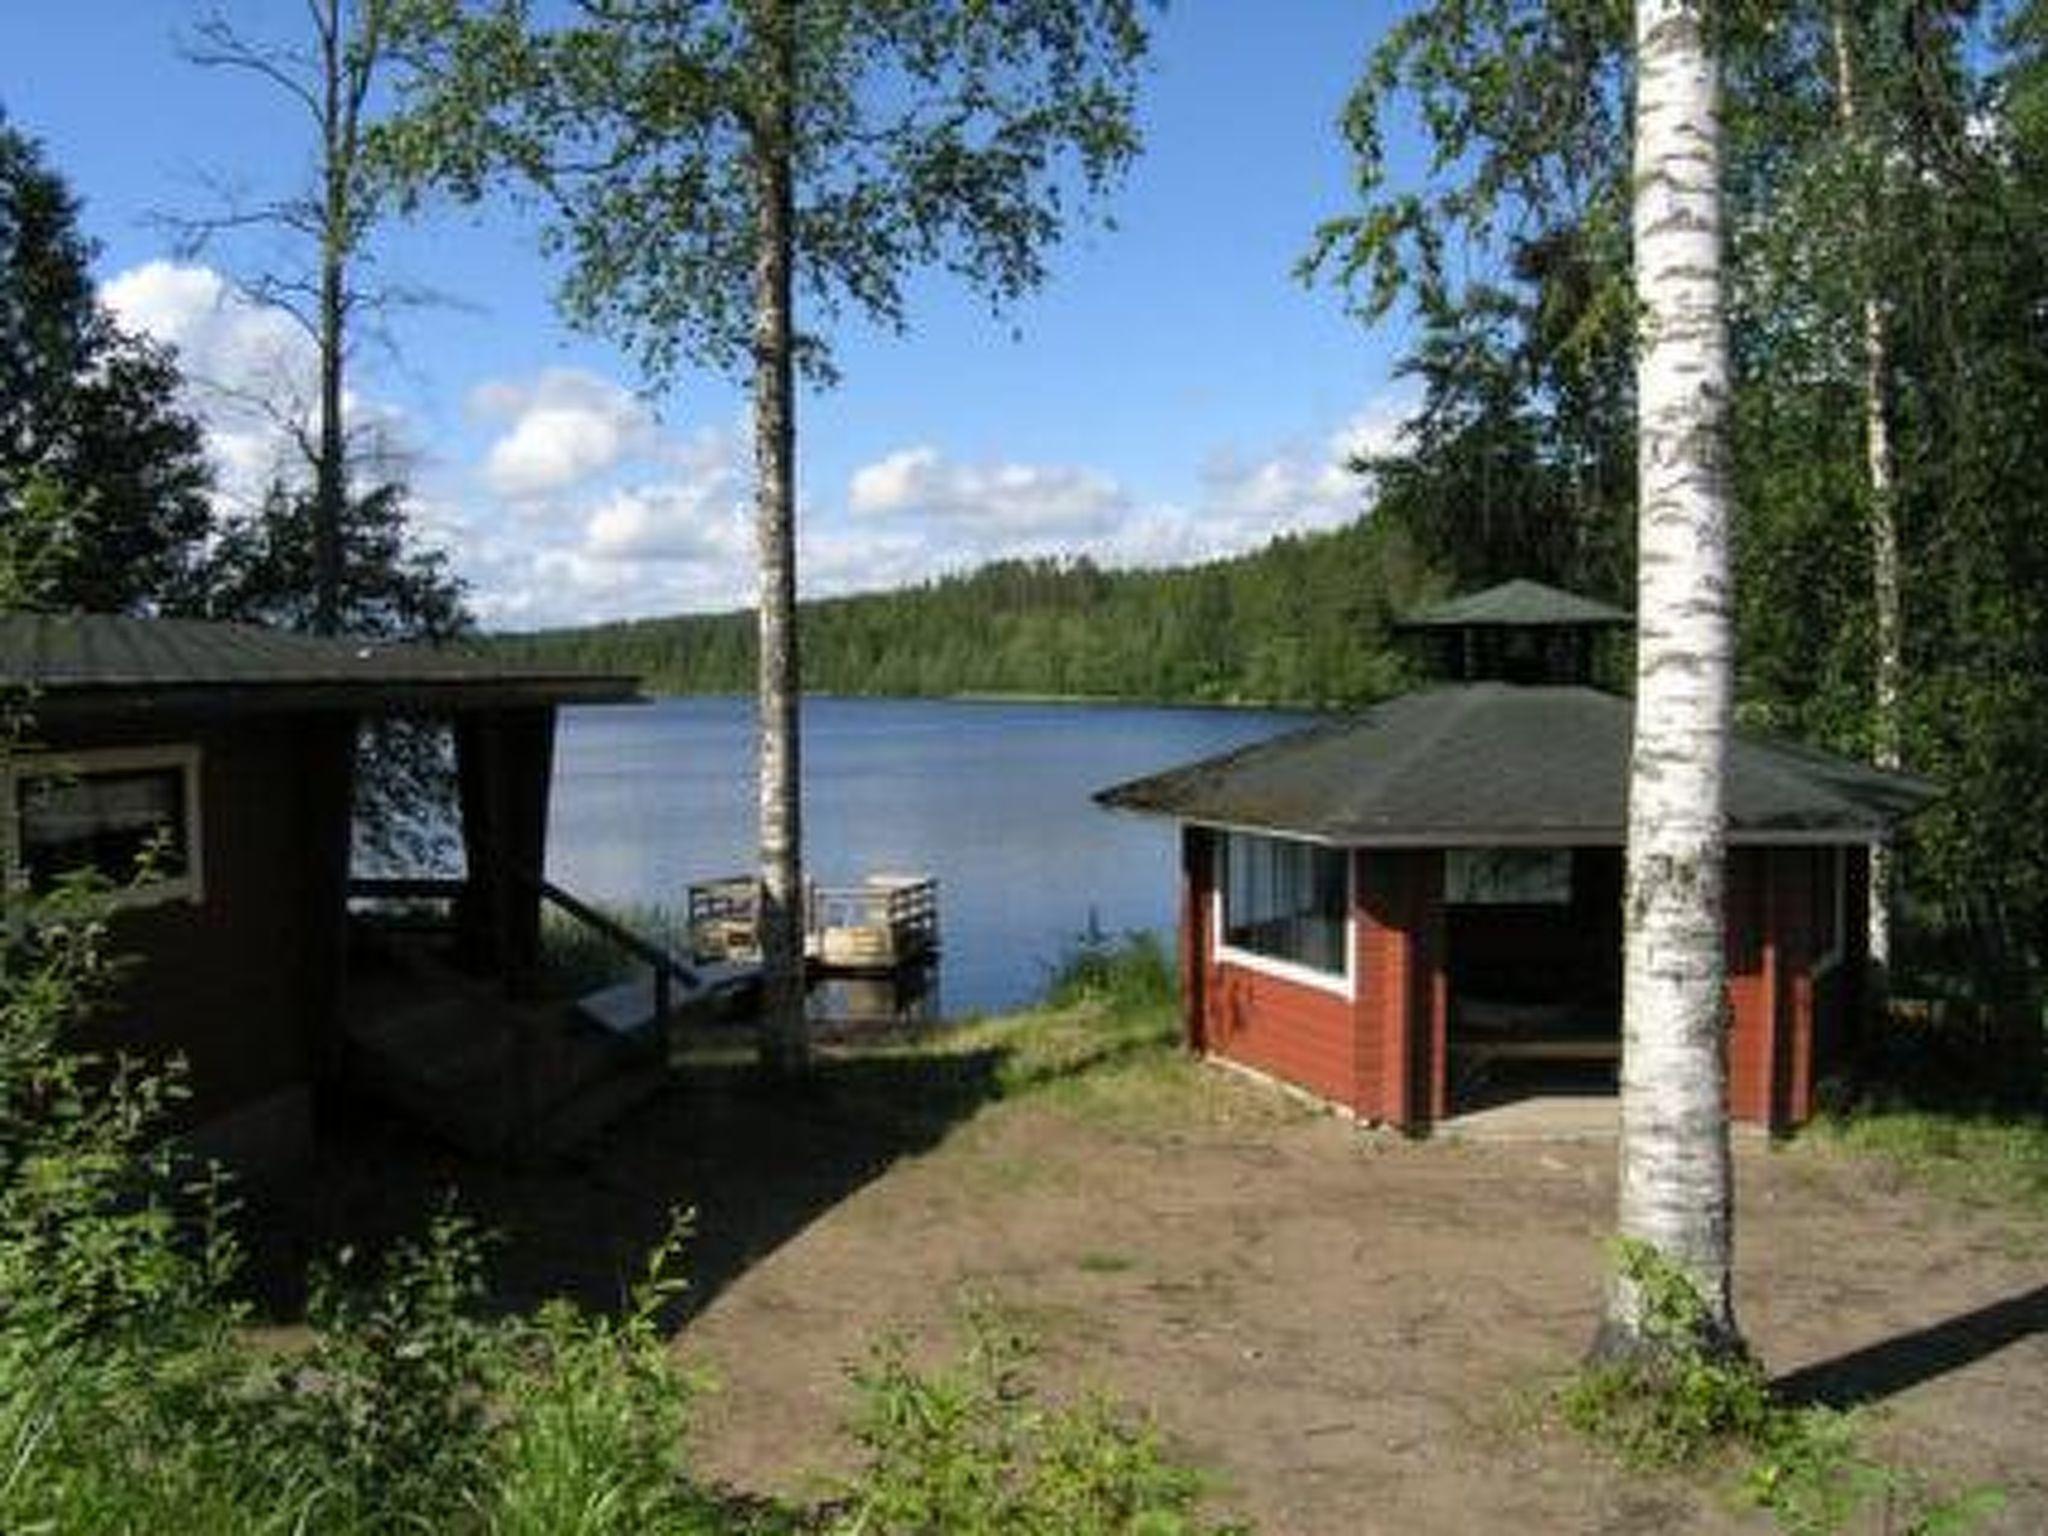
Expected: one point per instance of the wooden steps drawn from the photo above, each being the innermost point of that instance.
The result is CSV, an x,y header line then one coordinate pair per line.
x,y
492,1075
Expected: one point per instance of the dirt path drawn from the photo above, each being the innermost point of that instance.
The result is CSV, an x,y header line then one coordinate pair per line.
x,y
1354,1331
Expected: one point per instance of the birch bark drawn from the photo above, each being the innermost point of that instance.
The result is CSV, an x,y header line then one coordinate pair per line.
x,y
1675,1176
1886,605
784,1043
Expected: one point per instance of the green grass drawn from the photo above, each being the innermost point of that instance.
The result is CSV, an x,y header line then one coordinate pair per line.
x,y
1098,1263
1992,1158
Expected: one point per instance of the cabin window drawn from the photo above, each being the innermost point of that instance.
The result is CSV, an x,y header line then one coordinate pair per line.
x,y
1508,877
1286,901
130,816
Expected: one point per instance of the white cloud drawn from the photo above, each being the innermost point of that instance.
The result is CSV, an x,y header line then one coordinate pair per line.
x,y
677,540
222,337
1303,485
564,429
1017,501
916,512
250,369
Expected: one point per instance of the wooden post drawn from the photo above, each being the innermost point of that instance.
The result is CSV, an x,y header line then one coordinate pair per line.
x,y
1197,881
327,755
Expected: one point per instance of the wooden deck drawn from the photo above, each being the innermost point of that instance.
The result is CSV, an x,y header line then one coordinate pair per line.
x,y
884,924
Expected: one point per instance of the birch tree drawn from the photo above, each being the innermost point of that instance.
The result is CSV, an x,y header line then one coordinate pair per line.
x,y
1880,469
1676,1187
703,167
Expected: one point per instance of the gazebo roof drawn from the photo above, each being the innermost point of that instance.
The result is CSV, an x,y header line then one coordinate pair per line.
x,y
95,663
1486,764
1518,604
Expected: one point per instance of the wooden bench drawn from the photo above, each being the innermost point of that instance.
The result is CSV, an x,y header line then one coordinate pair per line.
x,y
1487,1031
1594,1048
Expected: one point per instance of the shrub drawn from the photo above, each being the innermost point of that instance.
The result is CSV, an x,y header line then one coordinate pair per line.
x,y
969,1450
1128,974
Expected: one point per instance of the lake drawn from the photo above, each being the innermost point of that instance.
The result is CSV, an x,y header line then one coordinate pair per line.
x,y
992,798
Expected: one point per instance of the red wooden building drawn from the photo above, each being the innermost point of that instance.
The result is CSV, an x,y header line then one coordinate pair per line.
x,y
1415,910
231,751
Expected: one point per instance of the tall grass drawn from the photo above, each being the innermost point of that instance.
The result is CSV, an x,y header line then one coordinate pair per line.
x,y
575,958
1127,974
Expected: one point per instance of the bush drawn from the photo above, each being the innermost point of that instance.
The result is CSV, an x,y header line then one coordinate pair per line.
x,y
969,1450
1128,974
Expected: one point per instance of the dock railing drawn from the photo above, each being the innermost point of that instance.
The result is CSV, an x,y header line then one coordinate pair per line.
x,y
885,921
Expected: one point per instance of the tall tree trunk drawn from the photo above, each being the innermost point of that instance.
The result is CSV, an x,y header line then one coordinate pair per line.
x,y
1676,1189
1886,605
784,1044
330,468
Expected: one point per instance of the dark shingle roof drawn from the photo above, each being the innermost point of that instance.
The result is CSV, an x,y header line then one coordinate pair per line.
x,y
1520,603
78,662
1489,762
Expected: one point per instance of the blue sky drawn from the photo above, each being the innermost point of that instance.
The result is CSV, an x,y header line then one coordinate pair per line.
x,y
1173,393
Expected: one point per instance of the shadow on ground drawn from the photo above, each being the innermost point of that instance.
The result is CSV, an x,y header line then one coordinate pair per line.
x,y
1884,1369
756,1160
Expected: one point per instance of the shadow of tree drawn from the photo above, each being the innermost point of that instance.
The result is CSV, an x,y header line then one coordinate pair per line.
x,y
1881,1370
757,1161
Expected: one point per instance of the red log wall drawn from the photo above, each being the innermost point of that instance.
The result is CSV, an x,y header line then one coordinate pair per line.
x,y
1379,1051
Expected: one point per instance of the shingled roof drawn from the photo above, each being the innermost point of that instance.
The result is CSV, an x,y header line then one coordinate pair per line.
x,y
1518,604
78,663
1490,763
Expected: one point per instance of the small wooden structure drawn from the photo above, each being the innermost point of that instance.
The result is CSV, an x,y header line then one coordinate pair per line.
x,y
1396,911
886,923
231,750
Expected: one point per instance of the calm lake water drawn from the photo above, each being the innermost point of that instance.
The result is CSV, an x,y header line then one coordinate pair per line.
x,y
992,798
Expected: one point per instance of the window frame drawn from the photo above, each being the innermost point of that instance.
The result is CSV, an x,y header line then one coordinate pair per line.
x,y
188,885
1342,984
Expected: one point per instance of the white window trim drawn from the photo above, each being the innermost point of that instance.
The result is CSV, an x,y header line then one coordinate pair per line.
x,y
1826,960
1226,953
188,886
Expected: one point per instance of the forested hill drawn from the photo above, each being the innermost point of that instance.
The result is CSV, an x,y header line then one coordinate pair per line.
x,y
1302,621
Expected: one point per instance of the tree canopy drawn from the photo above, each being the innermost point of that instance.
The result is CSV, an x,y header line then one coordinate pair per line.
x,y
89,425
1507,253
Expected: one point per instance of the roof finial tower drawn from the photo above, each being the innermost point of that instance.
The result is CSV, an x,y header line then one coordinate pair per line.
x,y
1518,632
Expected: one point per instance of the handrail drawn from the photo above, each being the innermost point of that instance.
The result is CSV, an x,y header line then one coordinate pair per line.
x,y
668,970
644,949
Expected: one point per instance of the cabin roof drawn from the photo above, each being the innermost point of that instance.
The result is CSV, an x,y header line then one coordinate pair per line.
x,y
97,663
1490,763
1520,604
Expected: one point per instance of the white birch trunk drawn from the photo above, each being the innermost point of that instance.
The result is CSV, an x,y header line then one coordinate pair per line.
x,y
784,1042
1675,1176
1886,607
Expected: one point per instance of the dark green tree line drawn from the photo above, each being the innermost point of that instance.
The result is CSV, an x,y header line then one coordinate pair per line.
x,y
1303,621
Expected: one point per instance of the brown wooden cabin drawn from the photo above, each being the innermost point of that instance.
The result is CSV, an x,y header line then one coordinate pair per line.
x,y
1417,911
234,747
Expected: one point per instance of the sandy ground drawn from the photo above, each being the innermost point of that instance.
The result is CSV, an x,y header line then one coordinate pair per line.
x,y
1355,1333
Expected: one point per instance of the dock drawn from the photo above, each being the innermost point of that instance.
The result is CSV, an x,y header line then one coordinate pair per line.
x,y
886,923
